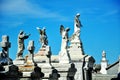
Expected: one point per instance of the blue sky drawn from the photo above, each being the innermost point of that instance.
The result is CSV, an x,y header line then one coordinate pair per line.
x,y
100,20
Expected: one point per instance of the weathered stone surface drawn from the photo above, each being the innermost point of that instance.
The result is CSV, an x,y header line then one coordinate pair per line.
x,y
43,55
102,77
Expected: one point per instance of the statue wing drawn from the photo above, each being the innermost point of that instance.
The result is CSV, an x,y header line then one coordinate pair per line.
x,y
67,29
40,31
44,31
61,28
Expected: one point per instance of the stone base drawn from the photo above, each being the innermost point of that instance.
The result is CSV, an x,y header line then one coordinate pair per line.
x,y
19,62
20,58
43,55
26,68
29,62
64,57
41,59
45,65
76,51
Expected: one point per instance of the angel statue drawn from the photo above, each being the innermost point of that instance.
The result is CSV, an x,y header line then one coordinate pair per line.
x,y
64,55
43,36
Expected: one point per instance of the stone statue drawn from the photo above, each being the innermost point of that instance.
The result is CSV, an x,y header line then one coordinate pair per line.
x,y
13,73
21,37
43,37
64,34
54,75
4,54
77,26
103,54
71,72
37,74
64,52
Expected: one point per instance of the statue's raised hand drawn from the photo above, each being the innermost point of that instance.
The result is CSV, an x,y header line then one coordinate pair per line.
x,y
37,28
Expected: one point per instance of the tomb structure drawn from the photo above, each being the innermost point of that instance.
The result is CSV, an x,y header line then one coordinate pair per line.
x,y
71,63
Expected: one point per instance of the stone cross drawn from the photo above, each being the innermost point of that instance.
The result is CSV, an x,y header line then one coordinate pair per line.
x,y
4,55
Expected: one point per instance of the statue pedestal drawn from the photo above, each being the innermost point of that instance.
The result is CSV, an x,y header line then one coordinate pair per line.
x,y
64,57
19,62
43,55
76,51
29,60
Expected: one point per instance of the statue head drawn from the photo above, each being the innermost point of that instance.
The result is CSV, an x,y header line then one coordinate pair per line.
x,y
72,65
54,71
44,28
37,69
21,31
78,14
103,54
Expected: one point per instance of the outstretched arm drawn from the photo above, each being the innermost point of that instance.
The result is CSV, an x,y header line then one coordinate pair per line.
x,y
26,36
37,28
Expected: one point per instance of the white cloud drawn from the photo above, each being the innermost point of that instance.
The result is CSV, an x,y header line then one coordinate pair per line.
x,y
28,9
104,16
12,24
109,13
